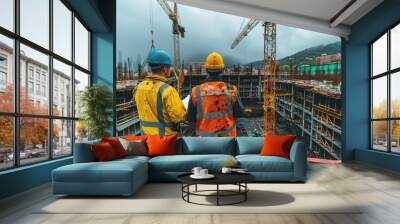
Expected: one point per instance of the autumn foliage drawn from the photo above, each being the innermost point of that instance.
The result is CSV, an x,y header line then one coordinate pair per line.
x,y
33,131
380,127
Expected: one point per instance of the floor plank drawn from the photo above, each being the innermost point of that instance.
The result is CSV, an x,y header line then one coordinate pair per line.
x,y
354,182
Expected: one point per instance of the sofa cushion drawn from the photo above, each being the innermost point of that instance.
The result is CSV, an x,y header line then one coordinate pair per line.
x,y
83,152
135,137
257,163
208,145
116,145
249,145
103,152
134,147
185,163
112,171
161,145
132,158
277,145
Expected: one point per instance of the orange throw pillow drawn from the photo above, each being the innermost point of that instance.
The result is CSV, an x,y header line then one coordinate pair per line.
x,y
161,145
277,145
103,152
135,137
116,145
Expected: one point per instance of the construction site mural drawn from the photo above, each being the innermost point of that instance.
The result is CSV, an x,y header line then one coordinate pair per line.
x,y
301,69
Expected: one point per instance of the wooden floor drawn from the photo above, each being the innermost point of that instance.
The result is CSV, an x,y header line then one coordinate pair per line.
x,y
377,188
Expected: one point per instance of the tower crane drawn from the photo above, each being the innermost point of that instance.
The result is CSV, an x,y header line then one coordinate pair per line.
x,y
269,70
178,32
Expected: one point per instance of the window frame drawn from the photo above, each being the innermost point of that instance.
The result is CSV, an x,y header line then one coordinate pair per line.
x,y
388,74
16,115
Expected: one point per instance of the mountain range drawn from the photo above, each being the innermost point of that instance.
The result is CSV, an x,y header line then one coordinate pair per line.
x,y
300,57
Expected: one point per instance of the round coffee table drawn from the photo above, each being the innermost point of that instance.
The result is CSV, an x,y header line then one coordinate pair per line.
x,y
238,179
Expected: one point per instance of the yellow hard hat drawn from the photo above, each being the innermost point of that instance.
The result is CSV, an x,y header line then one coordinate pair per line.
x,y
214,61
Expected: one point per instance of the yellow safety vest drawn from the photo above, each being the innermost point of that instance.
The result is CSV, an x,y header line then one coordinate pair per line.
x,y
159,106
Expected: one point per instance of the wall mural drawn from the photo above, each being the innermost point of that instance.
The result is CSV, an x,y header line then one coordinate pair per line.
x,y
308,81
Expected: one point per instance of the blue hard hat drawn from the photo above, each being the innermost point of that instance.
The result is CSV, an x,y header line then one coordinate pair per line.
x,y
159,57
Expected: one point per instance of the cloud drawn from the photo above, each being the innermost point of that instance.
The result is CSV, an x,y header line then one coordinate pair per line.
x,y
206,31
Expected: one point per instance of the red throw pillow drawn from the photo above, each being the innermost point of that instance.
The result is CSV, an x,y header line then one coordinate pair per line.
x,y
135,137
161,145
275,145
116,145
103,152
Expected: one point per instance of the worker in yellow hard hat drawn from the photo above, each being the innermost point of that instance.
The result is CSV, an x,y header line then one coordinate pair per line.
x,y
214,105
158,104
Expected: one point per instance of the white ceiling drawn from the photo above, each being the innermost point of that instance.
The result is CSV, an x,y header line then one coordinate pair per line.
x,y
315,15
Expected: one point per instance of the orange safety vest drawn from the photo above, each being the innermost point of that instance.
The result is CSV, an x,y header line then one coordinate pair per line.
x,y
214,103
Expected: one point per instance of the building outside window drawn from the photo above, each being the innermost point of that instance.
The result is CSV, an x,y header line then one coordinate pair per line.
x,y
43,90
56,128
385,94
3,78
38,89
37,75
3,61
30,72
30,87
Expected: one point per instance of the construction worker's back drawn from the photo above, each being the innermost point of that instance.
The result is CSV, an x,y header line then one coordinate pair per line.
x,y
214,104
159,106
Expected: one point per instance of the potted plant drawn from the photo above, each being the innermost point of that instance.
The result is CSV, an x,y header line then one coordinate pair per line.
x,y
96,103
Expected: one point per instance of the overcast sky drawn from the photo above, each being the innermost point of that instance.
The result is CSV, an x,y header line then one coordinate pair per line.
x,y
206,31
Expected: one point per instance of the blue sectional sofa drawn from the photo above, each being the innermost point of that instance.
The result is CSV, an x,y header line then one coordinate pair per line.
x,y
125,176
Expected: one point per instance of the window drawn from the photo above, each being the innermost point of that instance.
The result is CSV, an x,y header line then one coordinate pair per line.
x,y
35,21
6,142
81,45
395,47
47,76
7,14
33,140
385,94
44,91
7,73
62,137
81,82
62,29
3,78
30,87
62,74
37,89
37,75
30,72
3,61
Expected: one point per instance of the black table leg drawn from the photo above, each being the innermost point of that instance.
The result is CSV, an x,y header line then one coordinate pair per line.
x,y
196,187
245,193
188,190
217,194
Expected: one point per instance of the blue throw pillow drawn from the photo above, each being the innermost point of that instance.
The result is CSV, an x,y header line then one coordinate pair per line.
x,y
249,145
208,145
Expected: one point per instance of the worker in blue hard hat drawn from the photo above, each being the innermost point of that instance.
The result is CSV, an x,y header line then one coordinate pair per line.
x,y
159,106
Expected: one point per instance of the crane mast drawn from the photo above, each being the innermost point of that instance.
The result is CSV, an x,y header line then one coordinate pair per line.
x,y
269,90
178,32
269,77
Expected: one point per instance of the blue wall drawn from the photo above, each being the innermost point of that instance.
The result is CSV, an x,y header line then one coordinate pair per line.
x,y
103,62
24,178
356,109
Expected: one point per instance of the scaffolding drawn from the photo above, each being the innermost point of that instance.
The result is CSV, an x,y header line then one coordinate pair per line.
x,y
329,116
